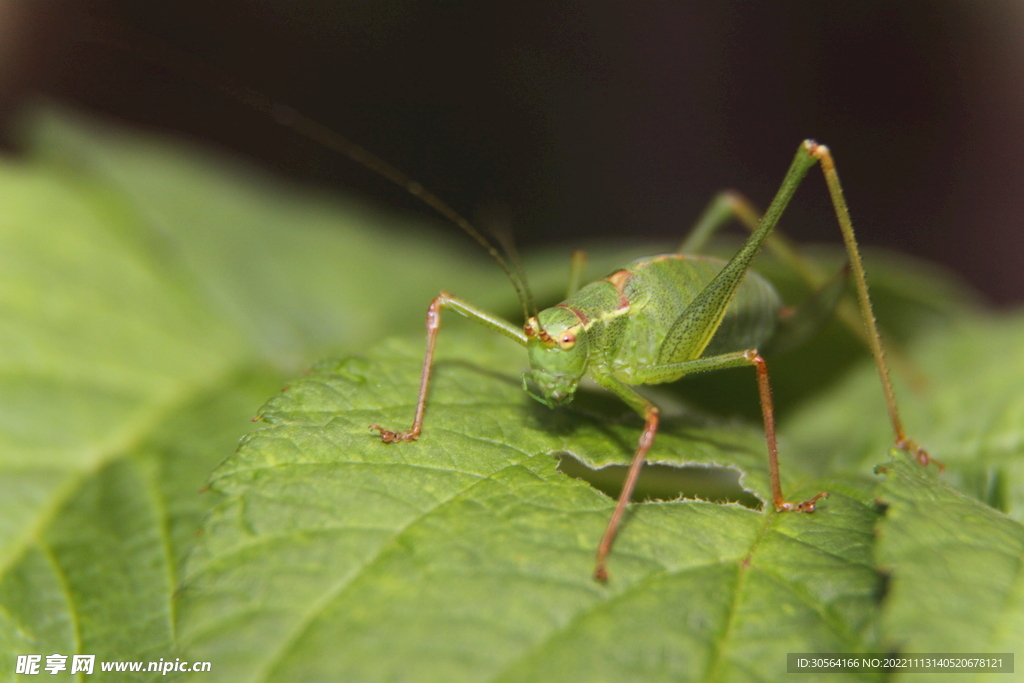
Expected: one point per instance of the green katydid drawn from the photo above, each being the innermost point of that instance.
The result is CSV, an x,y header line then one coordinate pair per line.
x,y
655,320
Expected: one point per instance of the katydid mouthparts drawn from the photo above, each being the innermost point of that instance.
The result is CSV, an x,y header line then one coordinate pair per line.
x,y
657,318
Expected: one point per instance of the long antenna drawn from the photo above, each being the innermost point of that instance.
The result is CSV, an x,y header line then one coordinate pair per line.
x,y
320,133
153,48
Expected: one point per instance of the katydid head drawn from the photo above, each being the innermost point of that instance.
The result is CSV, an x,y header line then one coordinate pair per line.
x,y
558,348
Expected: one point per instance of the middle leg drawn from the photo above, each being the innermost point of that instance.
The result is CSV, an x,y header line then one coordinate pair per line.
x,y
671,371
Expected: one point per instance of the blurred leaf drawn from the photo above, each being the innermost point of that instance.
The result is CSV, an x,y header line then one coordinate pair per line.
x,y
956,581
467,556
99,348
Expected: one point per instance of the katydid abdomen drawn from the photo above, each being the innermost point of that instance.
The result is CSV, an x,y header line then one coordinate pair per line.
x,y
629,314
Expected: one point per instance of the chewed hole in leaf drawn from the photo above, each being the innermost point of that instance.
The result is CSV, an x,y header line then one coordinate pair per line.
x,y
660,482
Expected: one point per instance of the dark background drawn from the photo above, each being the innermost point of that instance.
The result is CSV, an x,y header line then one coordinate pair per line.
x,y
588,118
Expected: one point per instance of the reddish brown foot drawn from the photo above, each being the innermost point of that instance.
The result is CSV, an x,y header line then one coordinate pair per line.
x,y
806,506
601,574
919,454
388,436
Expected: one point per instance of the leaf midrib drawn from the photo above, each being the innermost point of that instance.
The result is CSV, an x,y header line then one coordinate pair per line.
x,y
717,655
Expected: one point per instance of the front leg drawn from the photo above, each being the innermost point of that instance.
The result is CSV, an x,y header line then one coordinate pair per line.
x,y
650,413
445,300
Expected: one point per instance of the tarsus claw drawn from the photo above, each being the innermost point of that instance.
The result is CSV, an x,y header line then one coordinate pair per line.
x,y
388,436
806,506
919,454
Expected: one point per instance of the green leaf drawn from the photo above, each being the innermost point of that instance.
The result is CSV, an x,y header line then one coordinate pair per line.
x,y
956,569
151,297
468,556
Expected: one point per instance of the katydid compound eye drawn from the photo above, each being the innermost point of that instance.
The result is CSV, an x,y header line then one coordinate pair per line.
x,y
567,342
